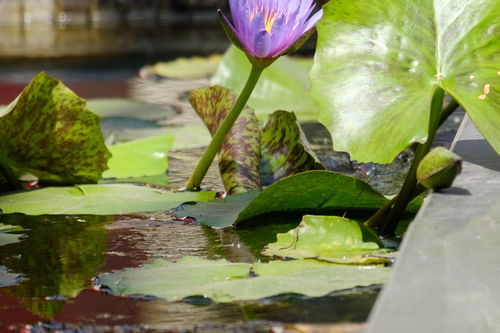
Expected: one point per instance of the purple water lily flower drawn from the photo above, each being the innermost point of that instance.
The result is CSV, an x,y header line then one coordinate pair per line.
x,y
266,29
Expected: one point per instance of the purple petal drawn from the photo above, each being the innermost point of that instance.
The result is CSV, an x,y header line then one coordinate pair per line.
x,y
262,44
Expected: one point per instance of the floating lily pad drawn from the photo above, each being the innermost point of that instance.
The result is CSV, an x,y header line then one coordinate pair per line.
x,y
187,68
309,192
139,158
112,199
239,156
49,132
219,213
7,278
222,281
377,66
283,86
329,238
127,108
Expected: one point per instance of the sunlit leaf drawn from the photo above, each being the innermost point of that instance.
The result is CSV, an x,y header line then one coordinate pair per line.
x,y
329,238
112,199
284,149
139,158
222,281
378,64
283,86
49,132
308,192
239,157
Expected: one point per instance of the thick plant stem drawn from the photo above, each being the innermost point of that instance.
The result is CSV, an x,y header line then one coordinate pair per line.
x,y
404,196
376,221
215,145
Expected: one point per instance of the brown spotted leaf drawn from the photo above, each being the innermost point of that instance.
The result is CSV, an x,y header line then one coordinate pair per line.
x,y
284,149
239,157
49,132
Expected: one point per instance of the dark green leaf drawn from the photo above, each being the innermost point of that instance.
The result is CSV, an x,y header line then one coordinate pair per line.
x,y
239,157
313,191
284,149
329,238
49,132
113,199
378,64
222,281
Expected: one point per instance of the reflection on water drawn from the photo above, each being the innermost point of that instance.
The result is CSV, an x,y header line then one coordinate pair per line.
x,y
61,254
56,260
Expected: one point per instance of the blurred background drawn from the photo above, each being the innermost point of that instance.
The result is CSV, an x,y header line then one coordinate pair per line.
x,y
110,40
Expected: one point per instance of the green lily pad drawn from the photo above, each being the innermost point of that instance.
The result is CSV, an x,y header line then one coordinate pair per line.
x,y
329,238
308,192
284,149
239,157
139,158
283,86
112,199
377,67
187,68
49,133
223,282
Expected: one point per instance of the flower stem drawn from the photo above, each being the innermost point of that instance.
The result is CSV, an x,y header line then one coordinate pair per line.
x,y
215,145
404,196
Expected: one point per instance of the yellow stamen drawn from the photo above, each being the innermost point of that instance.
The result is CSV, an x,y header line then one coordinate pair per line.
x,y
269,21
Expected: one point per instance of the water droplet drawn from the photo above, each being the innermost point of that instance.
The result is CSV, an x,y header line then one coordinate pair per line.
x,y
486,88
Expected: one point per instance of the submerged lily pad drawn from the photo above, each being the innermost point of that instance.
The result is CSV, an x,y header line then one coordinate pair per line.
x,y
6,237
239,156
139,158
112,199
49,132
222,281
329,238
283,86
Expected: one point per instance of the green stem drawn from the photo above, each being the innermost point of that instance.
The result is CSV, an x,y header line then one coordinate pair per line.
x,y
215,145
448,110
377,220
404,196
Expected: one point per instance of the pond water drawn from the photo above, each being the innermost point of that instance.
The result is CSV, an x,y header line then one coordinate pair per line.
x,y
53,265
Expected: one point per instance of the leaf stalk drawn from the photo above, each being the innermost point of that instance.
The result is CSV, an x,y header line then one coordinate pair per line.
x,y
194,182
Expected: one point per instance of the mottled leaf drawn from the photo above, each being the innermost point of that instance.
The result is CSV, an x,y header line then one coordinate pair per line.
x,y
112,199
239,157
379,63
283,86
223,282
49,132
329,238
284,149
139,158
